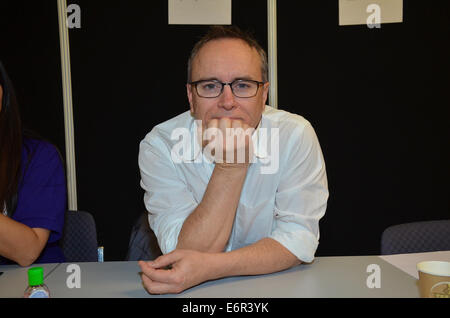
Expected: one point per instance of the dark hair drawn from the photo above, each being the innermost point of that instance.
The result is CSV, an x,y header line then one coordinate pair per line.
x,y
12,135
10,143
230,32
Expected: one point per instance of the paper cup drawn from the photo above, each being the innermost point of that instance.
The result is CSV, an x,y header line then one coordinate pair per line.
x,y
434,279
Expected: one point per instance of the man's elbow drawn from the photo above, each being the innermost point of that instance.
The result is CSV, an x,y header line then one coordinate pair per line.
x,y
296,262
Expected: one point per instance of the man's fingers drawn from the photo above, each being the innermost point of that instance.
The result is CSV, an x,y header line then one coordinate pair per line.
x,y
147,269
224,123
236,123
213,123
166,259
159,280
229,140
157,275
154,287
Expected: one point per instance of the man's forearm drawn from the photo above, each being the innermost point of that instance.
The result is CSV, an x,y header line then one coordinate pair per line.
x,y
190,268
208,227
263,257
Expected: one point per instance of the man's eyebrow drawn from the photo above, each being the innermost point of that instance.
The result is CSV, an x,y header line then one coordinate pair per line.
x,y
245,78
208,79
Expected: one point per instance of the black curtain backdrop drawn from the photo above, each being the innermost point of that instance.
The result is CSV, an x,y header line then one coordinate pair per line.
x,y
378,99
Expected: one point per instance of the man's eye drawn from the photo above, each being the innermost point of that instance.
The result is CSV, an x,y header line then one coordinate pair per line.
x,y
209,86
242,85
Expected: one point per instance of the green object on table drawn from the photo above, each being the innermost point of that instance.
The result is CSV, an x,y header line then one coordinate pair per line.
x,y
35,276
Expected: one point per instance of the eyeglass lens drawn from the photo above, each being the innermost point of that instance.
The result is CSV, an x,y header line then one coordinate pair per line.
x,y
240,88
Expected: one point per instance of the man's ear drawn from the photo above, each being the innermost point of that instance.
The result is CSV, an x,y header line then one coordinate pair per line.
x,y
265,93
189,95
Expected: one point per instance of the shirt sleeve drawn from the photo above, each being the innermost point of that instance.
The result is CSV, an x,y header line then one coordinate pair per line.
x,y
167,198
302,195
42,192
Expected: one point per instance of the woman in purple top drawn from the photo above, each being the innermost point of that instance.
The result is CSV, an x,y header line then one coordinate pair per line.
x,y
32,189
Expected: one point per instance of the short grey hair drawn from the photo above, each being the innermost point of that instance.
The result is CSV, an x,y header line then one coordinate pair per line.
x,y
229,32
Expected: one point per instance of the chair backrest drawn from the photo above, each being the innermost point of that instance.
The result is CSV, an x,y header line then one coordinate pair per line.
x,y
143,244
79,239
416,237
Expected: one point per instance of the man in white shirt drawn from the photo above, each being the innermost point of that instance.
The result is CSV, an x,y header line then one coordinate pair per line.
x,y
216,212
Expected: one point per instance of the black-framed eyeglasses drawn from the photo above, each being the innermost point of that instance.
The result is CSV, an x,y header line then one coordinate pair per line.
x,y
240,88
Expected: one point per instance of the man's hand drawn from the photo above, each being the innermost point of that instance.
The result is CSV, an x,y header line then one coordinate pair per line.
x,y
228,141
175,271
188,268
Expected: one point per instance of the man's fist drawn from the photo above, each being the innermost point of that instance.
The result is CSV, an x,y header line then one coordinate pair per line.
x,y
228,141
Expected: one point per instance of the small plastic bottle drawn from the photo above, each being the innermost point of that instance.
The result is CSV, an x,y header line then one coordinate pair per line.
x,y
36,287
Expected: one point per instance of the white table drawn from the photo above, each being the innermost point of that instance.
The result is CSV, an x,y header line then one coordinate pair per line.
x,y
327,277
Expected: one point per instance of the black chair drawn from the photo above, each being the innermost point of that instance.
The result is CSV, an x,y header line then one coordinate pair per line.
x,y
79,239
416,237
143,243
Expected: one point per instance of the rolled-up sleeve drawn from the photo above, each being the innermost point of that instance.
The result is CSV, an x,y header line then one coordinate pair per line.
x,y
167,198
302,195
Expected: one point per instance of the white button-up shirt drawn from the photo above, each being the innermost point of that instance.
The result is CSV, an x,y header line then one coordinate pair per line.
x,y
283,197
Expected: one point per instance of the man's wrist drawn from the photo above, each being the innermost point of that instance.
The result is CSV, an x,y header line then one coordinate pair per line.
x,y
218,266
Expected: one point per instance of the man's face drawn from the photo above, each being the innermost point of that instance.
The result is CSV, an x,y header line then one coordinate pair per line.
x,y
226,60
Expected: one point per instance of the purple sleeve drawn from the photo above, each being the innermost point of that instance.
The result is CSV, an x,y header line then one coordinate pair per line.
x,y
42,192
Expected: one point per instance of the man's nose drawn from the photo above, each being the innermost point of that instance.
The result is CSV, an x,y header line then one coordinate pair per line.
x,y
227,100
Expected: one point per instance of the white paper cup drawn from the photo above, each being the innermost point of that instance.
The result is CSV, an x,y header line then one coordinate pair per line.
x,y
434,279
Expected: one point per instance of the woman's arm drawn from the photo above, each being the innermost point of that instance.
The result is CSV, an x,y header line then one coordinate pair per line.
x,y
21,243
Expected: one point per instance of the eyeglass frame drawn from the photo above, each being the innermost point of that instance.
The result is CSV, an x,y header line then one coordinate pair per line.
x,y
229,84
